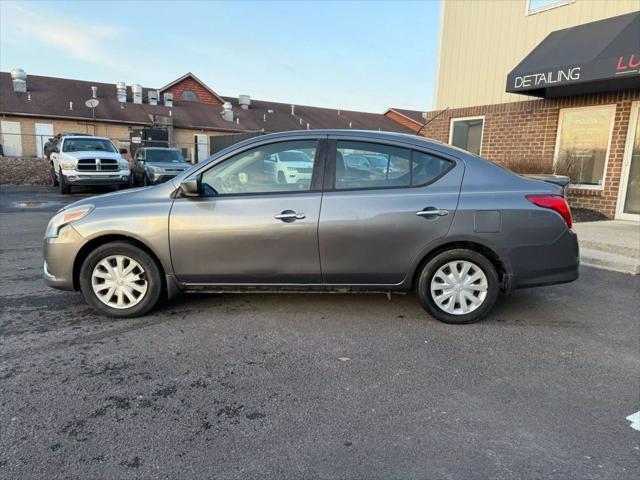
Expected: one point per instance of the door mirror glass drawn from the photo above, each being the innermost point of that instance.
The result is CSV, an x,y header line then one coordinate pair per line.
x,y
190,187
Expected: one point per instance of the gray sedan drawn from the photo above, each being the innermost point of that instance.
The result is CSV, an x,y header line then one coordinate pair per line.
x,y
427,217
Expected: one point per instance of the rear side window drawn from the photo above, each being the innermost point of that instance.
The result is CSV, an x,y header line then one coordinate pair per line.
x,y
369,165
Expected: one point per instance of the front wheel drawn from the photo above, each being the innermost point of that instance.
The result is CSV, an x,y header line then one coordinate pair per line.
x,y
458,286
120,280
65,188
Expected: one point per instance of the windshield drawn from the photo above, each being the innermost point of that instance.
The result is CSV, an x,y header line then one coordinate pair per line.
x,y
294,156
88,145
164,156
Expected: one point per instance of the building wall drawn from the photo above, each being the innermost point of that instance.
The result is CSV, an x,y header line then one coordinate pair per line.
x,y
481,41
522,137
204,95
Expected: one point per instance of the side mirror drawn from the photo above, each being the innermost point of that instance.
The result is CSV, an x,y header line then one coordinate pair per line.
x,y
123,150
190,187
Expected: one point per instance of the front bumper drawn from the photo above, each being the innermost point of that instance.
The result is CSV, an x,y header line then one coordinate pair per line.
x,y
72,177
59,254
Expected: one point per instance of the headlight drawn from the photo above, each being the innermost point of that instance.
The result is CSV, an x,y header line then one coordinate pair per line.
x,y
65,217
155,169
292,169
124,165
67,164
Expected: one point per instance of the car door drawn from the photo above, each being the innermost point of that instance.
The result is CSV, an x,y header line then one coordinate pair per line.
x,y
245,227
375,222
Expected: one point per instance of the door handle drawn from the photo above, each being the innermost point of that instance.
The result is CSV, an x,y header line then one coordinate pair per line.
x,y
432,212
289,216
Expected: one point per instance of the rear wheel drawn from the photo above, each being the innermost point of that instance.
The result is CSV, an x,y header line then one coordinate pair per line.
x,y
458,286
120,280
65,188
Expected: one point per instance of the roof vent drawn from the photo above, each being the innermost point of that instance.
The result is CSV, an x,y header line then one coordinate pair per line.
x,y
121,90
425,115
152,97
293,109
19,79
168,99
136,89
94,92
244,101
227,112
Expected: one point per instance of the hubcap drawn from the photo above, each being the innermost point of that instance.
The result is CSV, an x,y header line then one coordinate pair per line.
x,y
459,287
119,281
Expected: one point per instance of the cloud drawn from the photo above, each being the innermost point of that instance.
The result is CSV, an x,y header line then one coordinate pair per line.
x,y
78,39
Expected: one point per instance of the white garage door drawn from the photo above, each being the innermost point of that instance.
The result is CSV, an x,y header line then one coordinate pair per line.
x,y
44,131
11,139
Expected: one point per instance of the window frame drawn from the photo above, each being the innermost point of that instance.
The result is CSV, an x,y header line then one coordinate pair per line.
x,y
558,3
330,167
316,175
461,119
582,186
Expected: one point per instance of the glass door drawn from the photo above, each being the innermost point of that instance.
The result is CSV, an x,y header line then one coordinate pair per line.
x,y
629,198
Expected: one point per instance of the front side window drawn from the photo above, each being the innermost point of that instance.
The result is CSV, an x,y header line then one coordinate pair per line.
x,y
264,170
582,145
370,165
88,145
189,96
466,133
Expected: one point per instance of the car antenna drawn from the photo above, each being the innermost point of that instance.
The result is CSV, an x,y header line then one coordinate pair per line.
x,y
431,120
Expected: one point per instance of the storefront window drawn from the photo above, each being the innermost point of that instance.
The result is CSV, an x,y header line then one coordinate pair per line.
x,y
466,133
582,146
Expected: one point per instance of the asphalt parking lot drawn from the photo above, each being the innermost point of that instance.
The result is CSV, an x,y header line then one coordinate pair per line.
x,y
311,386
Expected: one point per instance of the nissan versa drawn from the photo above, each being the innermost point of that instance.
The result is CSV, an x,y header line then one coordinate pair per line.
x,y
453,227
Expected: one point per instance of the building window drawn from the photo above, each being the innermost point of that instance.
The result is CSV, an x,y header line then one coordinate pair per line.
x,y
466,133
189,96
582,144
537,6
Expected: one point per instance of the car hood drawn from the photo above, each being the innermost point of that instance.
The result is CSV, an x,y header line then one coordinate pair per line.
x,y
128,198
182,165
298,164
92,154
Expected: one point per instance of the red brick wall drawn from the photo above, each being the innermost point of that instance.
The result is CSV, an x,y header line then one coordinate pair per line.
x,y
401,119
204,95
522,137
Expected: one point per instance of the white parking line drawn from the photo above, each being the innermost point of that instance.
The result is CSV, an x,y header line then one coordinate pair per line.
x,y
634,418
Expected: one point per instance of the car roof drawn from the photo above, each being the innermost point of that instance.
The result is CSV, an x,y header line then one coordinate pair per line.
x,y
159,148
85,137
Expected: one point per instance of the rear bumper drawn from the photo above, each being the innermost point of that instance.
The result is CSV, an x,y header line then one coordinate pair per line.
x,y
538,265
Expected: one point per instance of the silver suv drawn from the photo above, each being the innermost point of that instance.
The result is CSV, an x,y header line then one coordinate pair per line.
x,y
435,219
86,160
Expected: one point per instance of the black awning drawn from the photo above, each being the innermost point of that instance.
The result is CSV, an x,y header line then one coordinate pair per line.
x,y
594,57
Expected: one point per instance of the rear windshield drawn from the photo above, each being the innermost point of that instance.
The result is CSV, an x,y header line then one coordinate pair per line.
x,y
88,145
166,156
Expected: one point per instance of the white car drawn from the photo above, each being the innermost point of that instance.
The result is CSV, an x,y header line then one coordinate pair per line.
x,y
85,160
291,166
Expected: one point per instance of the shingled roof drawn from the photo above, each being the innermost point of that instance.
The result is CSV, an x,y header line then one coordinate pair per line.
x,y
51,97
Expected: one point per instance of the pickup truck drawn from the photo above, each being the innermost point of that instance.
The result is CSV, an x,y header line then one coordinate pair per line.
x,y
87,160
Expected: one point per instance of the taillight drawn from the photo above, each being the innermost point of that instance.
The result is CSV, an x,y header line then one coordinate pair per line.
x,y
554,202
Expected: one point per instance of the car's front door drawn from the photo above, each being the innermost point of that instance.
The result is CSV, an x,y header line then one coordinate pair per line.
x,y
246,227
378,216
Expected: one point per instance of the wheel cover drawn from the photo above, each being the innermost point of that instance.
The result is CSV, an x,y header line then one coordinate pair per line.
x,y
119,281
459,287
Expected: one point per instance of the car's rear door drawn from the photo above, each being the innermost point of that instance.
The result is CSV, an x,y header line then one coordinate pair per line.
x,y
246,227
377,219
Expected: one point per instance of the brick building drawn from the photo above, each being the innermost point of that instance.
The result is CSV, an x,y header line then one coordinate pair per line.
x,y
571,105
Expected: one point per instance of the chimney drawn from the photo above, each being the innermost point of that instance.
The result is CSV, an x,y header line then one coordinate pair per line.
x,y
244,101
121,91
94,92
19,79
227,112
168,99
136,89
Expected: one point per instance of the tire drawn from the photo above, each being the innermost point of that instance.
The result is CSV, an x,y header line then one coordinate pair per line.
x,y
281,178
485,288
54,178
145,180
65,188
150,278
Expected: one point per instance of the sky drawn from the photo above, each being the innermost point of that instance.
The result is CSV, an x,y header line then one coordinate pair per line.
x,y
356,55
